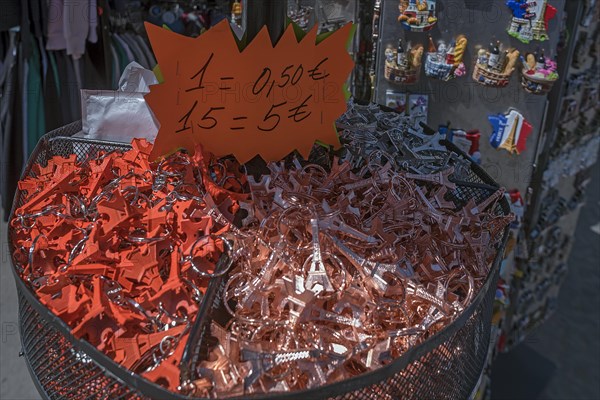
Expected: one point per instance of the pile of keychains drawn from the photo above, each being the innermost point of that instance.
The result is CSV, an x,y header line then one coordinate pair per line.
x,y
341,269
122,249
336,265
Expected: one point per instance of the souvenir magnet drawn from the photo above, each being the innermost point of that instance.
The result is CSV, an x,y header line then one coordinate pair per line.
x,y
418,109
417,15
403,65
446,62
510,131
530,19
538,73
467,141
517,206
236,13
300,15
493,67
396,101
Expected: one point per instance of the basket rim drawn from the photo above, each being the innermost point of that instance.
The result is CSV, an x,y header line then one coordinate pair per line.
x,y
148,388
537,80
410,71
483,71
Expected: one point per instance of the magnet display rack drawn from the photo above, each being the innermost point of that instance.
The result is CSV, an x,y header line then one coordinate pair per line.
x,y
563,168
461,101
551,174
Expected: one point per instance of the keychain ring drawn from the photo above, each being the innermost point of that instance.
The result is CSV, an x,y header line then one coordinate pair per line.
x,y
227,255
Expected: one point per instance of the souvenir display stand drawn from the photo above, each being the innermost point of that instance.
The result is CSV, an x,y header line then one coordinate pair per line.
x,y
546,180
462,102
467,98
467,105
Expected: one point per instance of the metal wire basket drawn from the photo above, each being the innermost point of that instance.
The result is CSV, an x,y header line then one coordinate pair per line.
x,y
445,366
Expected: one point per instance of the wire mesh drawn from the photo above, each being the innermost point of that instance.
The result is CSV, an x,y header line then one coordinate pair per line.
x,y
59,369
447,366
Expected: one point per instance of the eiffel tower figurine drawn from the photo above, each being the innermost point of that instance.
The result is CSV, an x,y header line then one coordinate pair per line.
x,y
509,143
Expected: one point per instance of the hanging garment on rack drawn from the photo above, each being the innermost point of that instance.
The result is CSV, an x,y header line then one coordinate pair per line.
x,y
56,34
62,47
12,153
146,50
44,57
125,47
71,23
135,48
122,56
93,28
100,52
38,17
8,88
52,97
74,83
76,26
24,121
10,15
115,67
94,66
34,116
68,87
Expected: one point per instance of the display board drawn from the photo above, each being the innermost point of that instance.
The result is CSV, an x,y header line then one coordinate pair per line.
x,y
551,173
462,101
564,164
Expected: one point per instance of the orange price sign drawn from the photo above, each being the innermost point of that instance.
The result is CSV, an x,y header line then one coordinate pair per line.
x,y
260,100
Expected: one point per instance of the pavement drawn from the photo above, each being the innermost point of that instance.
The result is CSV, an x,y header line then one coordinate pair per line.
x,y
559,361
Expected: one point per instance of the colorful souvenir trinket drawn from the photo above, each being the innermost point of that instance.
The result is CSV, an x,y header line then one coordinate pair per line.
x,y
467,141
417,15
236,12
445,62
402,65
510,131
538,73
530,19
494,67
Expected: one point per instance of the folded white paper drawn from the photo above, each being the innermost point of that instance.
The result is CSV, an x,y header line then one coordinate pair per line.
x,y
120,115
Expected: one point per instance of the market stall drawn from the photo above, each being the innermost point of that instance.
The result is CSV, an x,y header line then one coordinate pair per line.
x,y
229,216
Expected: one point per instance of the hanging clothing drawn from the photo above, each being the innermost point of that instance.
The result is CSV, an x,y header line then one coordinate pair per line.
x,y
93,28
55,33
68,85
24,120
10,15
70,22
146,49
121,55
125,47
76,26
52,103
62,47
35,116
8,97
136,50
12,155
115,67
